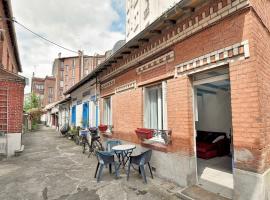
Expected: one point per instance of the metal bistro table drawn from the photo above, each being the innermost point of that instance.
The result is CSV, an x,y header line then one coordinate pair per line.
x,y
123,153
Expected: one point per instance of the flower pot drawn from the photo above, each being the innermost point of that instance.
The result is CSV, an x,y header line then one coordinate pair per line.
x,y
102,128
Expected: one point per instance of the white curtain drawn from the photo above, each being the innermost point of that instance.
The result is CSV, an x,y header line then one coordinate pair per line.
x,y
153,108
107,112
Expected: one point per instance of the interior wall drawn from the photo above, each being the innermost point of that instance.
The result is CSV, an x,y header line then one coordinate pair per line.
x,y
214,112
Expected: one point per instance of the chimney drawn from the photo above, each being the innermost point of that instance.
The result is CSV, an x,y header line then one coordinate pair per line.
x,y
59,55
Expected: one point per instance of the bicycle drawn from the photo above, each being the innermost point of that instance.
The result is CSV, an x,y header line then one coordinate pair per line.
x,y
95,143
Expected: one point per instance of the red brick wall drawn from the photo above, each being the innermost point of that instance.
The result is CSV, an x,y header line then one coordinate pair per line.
x,y
250,100
261,7
180,114
49,82
230,31
15,105
127,108
6,46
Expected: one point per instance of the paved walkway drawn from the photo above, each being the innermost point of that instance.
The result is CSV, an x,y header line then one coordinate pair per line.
x,y
53,168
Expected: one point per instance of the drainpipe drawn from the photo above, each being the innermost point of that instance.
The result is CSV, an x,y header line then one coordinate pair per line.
x,y
81,67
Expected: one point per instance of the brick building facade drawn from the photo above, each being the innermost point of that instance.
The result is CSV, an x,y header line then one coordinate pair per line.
x,y
195,50
70,70
199,71
37,87
45,89
11,84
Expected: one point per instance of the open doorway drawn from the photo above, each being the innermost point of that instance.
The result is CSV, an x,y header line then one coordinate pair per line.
x,y
213,125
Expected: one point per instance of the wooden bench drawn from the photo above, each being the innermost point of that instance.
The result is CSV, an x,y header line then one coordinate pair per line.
x,y
19,151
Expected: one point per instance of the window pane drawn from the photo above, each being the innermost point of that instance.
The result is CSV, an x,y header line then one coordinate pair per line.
x,y
153,108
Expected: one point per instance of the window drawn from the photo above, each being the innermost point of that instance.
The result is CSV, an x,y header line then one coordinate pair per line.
x,y
61,84
107,111
61,75
67,68
50,99
73,72
50,91
73,63
62,64
39,87
155,108
73,82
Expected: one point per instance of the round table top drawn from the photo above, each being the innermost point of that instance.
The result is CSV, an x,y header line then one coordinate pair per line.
x,y
124,147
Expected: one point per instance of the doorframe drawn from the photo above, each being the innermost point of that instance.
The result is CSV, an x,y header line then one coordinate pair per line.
x,y
195,110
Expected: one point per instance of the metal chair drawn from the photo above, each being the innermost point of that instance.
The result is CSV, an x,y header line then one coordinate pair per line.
x,y
105,158
141,160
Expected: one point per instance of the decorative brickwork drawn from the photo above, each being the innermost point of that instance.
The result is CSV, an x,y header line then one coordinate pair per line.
x,y
125,87
108,84
221,57
162,60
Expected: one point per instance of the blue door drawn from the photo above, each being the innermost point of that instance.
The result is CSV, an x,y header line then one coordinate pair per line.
x,y
85,115
73,116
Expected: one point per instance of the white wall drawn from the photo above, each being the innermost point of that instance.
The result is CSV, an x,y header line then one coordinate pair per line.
x,y
214,112
135,14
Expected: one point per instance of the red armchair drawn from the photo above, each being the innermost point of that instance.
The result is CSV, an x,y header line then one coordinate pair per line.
x,y
207,148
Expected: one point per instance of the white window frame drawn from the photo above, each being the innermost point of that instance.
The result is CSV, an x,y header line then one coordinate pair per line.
x,y
107,111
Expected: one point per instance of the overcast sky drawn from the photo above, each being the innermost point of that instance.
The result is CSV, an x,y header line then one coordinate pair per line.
x,y
91,25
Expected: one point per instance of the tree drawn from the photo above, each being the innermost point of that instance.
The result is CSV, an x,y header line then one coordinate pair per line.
x,y
32,106
33,101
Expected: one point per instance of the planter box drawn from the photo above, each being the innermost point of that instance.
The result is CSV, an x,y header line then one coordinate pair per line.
x,y
144,133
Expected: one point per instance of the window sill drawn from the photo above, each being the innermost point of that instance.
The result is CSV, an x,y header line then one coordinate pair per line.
x,y
156,146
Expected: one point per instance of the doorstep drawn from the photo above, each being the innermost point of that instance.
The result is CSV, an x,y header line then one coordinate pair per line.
x,y
195,192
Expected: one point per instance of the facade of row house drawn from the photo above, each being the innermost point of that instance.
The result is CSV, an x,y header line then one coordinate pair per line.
x,y
11,85
200,70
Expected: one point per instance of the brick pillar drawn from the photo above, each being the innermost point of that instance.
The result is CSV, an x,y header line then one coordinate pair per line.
x,y
180,115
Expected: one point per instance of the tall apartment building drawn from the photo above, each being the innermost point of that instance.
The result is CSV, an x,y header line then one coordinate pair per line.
x,y
70,70
141,13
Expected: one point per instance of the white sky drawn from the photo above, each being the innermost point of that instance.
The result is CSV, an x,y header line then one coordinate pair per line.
x,y
76,24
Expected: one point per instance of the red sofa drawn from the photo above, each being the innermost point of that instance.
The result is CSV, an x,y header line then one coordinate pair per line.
x,y
206,149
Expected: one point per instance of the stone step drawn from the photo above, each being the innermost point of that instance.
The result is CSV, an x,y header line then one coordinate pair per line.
x,y
197,193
